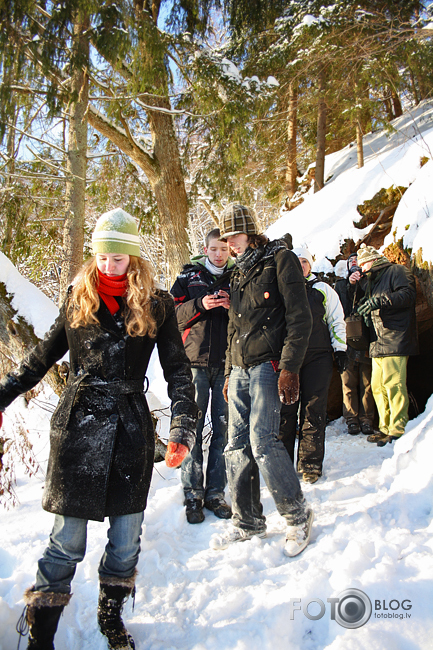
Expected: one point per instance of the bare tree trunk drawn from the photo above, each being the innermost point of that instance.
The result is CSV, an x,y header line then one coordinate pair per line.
x,y
319,179
169,190
420,78
396,104
11,216
388,105
359,144
414,88
10,212
73,228
292,133
168,182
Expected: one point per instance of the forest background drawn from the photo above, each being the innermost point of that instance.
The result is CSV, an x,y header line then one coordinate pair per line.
x,y
172,108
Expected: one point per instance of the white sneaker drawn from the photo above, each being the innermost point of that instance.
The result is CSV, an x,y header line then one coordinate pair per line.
x,y
297,537
234,534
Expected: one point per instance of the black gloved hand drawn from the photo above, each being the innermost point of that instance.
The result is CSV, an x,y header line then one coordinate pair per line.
x,y
340,360
367,306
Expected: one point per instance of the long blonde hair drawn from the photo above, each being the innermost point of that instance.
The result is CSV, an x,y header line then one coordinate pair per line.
x,y
84,300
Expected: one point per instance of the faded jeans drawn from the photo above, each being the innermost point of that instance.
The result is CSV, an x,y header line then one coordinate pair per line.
x,y
67,547
207,380
253,445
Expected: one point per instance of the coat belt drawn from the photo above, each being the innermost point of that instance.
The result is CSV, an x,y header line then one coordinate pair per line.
x,y
115,387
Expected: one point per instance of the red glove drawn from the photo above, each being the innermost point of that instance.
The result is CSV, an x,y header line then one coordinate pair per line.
x,y
176,452
288,387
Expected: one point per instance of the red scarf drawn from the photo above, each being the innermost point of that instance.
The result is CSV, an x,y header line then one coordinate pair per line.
x,y
110,287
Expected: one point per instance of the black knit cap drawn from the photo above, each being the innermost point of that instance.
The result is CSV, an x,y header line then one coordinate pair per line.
x,y
237,219
355,254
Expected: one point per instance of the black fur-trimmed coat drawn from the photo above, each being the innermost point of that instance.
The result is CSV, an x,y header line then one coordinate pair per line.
x,y
102,438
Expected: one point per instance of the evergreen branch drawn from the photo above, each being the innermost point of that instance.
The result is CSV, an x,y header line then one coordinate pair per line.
x,y
209,210
33,137
46,162
25,90
120,139
158,109
44,177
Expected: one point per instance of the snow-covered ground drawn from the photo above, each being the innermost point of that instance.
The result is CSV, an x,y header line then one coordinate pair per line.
x,y
373,532
373,526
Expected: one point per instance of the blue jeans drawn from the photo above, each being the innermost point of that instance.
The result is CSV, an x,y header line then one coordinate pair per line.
x,y
67,547
253,444
207,380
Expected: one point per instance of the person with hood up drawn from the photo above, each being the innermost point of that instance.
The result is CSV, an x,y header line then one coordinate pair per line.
x,y
388,307
269,326
358,402
102,438
201,296
327,337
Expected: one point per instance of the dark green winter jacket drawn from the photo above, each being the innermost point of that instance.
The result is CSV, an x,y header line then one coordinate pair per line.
x,y
393,332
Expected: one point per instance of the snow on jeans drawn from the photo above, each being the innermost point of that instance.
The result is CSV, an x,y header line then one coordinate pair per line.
x,y
67,547
253,445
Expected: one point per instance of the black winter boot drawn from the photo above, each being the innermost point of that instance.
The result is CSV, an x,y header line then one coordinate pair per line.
x,y
194,511
113,593
43,614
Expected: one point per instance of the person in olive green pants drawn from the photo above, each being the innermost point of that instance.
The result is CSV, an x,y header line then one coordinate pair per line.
x,y
388,307
388,383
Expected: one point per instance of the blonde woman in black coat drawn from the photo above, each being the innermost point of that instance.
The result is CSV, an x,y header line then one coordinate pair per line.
x,y
102,438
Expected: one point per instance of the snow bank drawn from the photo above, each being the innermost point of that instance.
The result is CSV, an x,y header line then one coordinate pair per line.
x,y
28,300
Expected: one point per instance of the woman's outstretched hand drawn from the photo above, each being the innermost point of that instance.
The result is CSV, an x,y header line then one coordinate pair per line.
x,y
176,452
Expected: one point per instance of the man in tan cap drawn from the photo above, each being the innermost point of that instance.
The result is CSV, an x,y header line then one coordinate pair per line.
x,y
268,331
388,307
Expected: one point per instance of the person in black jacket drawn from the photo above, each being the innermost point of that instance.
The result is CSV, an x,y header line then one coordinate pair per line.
x,y
201,296
102,437
269,327
327,340
358,401
388,306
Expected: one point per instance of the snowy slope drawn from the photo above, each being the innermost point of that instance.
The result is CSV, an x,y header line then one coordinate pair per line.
x,y
325,219
373,527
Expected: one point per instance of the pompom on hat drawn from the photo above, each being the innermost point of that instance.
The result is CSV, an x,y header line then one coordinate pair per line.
x,y
305,253
116,232
237,219
367,254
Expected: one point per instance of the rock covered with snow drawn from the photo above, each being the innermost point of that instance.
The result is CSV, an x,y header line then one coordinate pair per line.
x,y
29,302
